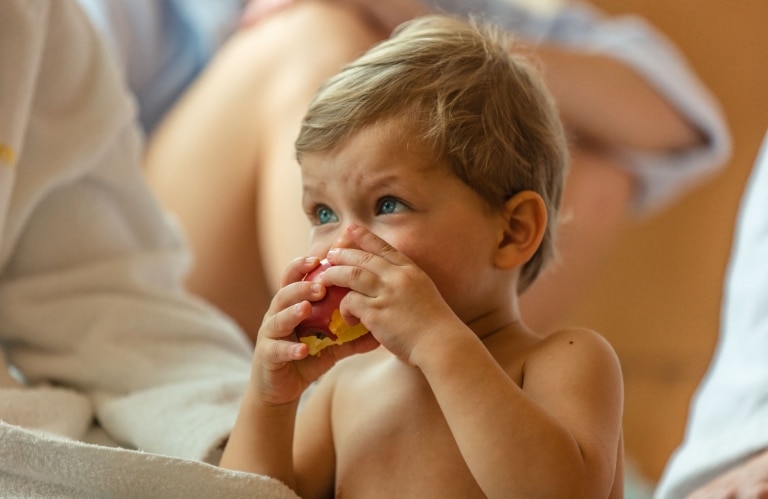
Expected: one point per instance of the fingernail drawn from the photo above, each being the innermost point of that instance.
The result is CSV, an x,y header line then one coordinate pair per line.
x,y
316,288
333,252
296,352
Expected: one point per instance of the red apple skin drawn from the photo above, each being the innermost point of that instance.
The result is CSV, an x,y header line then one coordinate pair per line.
x,y
320,317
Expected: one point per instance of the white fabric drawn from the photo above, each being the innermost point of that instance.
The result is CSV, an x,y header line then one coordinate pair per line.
x,y
94,322
163,45
32,465
728,418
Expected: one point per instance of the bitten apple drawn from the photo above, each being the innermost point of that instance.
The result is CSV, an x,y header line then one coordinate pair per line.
x,y
325,326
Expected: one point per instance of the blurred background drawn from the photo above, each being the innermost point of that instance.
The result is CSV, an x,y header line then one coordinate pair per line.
x,y
657,297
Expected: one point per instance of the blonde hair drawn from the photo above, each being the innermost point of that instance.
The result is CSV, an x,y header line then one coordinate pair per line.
x,y
483,109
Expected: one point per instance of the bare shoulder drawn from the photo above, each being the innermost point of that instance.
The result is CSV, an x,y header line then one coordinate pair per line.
x,y
575,376
574,354
575,342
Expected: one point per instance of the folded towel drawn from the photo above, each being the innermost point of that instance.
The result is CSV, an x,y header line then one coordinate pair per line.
x,y
38,464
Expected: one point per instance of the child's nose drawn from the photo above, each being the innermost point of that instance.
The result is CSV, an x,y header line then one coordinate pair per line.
x,y
344,241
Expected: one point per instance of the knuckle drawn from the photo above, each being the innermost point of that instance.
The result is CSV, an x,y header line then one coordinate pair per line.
x,y
277,323
276,351
356,273
366,258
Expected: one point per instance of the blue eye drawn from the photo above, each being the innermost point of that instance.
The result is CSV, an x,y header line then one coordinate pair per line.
x,y
324,215
390,205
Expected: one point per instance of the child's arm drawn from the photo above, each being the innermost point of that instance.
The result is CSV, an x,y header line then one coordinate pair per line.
x,y
263,436
556,436
603,99
262,439
297,450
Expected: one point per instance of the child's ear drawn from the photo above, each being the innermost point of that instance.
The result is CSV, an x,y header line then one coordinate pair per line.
x,y
525,221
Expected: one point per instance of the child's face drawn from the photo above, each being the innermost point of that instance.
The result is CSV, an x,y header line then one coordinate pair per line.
x,y
392,186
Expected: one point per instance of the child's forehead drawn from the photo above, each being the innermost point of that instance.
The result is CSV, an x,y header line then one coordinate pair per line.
x,y
391,131
384,136
380,154
396,135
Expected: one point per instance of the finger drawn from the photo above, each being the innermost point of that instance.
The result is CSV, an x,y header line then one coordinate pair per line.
x,y
358,272
714,489
298,268
281,324
292,294
283,351
372,254
371,243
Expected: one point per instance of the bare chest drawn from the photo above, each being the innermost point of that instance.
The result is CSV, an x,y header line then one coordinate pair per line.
x,y
392,440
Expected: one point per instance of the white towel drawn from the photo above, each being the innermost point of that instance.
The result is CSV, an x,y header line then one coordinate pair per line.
x,y
36,464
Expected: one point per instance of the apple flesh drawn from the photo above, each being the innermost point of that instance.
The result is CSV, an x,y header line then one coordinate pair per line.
x,y
325,326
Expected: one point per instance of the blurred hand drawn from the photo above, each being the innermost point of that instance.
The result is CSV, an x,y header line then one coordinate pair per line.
x,y
746,481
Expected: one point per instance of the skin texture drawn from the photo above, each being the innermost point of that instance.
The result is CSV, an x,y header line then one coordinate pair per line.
x,y
461,385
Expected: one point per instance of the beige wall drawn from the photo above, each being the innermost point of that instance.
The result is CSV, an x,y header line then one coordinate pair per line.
x,y
657,298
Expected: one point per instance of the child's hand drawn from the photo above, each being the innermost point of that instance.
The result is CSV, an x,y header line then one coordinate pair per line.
x,y
390,294
749,479
282,367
